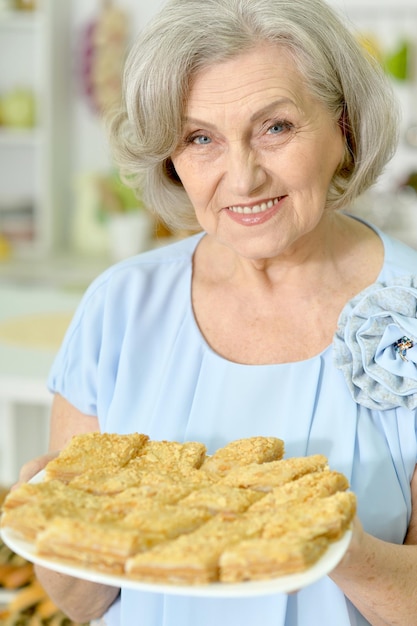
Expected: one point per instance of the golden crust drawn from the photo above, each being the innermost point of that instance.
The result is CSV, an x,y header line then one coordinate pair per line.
x,y
46,501
193,478
160,511
244,452
191,559
314,485
103,546
195,559
325,517
166,521
93,451
291,540
165,458
259,558
171,455
223,498
269,475
107,481
179,482
109,542
33,492
156,494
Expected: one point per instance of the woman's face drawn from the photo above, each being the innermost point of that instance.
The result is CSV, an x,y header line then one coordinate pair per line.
x,y
258,153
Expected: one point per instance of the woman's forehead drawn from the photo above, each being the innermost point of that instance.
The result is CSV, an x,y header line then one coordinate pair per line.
x,y
264,69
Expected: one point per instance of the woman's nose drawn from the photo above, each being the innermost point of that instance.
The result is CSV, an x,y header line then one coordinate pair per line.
x,y
244,171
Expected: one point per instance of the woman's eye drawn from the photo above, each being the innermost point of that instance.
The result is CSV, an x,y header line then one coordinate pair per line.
x,y
200,140
278,127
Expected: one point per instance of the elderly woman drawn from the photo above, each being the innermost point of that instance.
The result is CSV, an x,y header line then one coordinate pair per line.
x,y
255,122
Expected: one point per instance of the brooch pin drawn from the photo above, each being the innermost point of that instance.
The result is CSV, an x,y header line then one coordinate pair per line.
x,y
402,345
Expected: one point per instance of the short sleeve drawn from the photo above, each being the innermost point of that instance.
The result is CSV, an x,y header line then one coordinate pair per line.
x,y
74,373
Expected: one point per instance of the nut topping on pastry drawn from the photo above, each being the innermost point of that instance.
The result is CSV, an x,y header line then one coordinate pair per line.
x,y
165,512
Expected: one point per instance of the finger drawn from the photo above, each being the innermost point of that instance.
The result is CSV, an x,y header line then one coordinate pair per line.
x,y
33,467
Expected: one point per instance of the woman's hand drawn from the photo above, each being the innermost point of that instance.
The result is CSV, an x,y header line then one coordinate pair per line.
x,y
81,600
411,537
33,467
380,577
355,546
357,574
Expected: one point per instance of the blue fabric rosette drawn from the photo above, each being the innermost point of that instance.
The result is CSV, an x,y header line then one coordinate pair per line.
x,y
375,345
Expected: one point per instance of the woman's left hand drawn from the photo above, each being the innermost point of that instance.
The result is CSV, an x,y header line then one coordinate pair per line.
x,y
411,536
380,577
355,546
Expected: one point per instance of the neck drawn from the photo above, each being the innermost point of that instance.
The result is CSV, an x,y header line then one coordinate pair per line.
x,y
306,260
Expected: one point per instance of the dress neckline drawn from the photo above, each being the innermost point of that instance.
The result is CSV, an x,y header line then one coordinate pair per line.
x,y
323,353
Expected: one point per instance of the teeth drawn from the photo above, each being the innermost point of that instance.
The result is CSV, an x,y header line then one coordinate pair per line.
x,y
258,208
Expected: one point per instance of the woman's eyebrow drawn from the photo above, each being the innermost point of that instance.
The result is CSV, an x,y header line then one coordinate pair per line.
x,y
269,108
254,117
197,122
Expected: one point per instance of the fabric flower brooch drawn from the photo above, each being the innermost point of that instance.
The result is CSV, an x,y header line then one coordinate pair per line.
x,y
375,345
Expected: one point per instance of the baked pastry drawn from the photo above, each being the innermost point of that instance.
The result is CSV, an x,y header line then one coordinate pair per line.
x,y
314,485
158,457
107,543
222,498
102,546
170,455
325,517
94,450
290,541
47,500
157,493
192,559
164,512
260,559
103,481
33,492
266,476
244,452
166,521
178,481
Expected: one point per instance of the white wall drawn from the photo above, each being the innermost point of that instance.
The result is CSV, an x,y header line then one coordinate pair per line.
x,y
89,151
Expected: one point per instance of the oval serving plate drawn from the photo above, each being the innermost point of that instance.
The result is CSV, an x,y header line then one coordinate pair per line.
x,y
283,584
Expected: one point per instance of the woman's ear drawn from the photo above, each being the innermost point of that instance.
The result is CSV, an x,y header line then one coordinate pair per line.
x,y
344,120
171,172
345,126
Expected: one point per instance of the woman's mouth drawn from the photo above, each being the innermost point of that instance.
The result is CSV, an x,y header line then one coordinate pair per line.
x,y
257,208
256,213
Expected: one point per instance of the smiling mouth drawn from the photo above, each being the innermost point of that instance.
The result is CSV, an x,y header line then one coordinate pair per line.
x,y
257,208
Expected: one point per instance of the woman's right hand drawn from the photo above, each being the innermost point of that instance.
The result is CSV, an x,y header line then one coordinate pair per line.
x,y
33,467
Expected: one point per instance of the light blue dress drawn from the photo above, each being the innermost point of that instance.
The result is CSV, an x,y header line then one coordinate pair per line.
x,y
134,356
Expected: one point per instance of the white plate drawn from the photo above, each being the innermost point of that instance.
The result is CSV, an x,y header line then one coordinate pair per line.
x,y
7,596
283,584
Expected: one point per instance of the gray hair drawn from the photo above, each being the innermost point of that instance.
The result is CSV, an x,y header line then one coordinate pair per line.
x,y
189,35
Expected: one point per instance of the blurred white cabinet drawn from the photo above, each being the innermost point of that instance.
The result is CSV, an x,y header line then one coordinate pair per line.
x,y
392,26
34,196
33,320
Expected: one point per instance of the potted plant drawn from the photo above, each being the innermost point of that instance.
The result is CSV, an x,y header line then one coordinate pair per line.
x,y
130,224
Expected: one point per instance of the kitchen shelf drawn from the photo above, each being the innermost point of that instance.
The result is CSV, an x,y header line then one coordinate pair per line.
x,y
20,137
35,56
22,20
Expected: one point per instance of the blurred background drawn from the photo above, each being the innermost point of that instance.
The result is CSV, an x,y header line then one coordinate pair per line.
x,y
60,64
65,217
